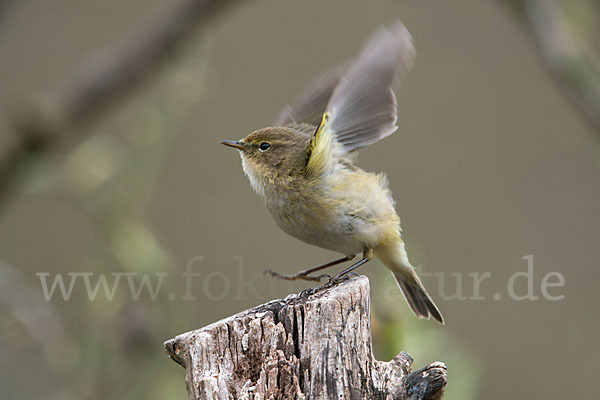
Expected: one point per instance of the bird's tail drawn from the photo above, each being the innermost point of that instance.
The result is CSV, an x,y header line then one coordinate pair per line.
x,y
417,297
396,259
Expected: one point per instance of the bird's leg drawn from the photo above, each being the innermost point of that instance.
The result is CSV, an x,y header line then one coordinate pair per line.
x,y
368,255
305,273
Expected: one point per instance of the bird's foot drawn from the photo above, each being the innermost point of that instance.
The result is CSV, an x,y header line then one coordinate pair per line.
x,y
306,292
302,275
309,291
339,279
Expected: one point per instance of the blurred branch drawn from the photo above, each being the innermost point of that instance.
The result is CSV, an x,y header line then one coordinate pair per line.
x,y
574,65
100,81
27,305
568,33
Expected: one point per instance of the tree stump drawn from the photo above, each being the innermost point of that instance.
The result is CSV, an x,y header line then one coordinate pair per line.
x,y
315,346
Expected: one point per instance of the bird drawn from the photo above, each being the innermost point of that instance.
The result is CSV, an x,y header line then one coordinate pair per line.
x,y
304,168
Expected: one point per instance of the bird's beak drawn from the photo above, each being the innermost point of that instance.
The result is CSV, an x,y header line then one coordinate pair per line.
x,y
232,143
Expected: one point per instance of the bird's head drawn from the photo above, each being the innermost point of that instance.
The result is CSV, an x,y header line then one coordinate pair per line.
x,y
270,156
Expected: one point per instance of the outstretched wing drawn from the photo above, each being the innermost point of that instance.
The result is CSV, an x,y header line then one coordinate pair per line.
x,y
362,107
308,109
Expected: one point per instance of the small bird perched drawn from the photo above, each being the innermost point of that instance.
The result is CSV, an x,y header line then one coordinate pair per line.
x,y
303,167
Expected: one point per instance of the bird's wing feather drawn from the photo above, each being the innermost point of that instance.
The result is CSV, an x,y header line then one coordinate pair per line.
x,y
362,107
308,109
363,104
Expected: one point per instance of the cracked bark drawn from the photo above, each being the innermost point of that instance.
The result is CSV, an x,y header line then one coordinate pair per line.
x,y
313,347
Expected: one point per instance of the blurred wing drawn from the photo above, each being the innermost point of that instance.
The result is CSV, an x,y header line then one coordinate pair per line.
x,y
363,104
362,107
310,106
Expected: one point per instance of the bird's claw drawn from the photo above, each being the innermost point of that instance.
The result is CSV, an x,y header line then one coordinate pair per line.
x,y
339,279
272,273
306,292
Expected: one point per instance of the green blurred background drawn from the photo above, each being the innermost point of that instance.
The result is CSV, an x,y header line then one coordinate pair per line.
x,y
497,157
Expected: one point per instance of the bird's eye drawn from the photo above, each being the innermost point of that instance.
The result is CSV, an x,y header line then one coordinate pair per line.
x,y
264,146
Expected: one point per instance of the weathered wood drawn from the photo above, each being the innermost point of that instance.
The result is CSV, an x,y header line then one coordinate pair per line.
x,y
316,346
